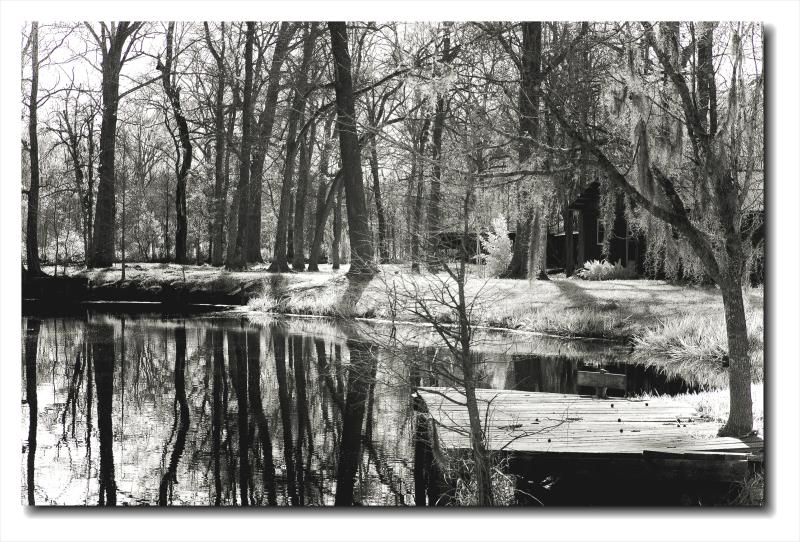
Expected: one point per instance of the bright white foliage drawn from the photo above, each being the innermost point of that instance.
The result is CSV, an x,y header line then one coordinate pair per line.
x,y
498,246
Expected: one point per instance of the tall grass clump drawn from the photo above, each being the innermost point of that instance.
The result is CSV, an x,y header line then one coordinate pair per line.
x,y
459,473
696,348
603,270
601,322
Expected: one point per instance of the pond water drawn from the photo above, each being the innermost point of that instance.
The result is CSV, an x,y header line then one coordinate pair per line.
x,y
221,410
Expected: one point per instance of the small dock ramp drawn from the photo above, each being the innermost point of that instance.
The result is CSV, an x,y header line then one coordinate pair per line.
x,y
554,426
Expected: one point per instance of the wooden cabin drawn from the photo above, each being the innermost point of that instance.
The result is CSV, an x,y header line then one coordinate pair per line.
x,y
588,235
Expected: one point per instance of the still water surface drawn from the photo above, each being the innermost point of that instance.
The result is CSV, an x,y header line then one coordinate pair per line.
x,y
215,410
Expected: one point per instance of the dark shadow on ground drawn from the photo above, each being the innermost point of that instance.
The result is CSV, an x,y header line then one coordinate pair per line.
x,y
575,293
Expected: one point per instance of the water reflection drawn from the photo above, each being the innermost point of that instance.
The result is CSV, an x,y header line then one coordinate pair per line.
x,y
222,411
31,347
103,356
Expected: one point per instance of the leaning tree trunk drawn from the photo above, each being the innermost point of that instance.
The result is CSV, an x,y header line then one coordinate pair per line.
x,y
323,207
383,249
32,225
173,94
350,152
236,254
280,262
263,133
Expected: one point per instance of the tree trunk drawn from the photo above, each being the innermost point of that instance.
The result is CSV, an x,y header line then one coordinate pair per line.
x,y
416,216
236,257
434,202
89,186
230,219
220,196
303,182
323,207
280,255
262,135
319,227
172,91
32,225
528,128
337,228
103,237
383,250
434,199
290,231
360,238
740,417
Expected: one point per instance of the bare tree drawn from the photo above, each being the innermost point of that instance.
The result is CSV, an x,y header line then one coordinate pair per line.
x,y
236,253
173,92
279,256
115,42
360,236
219,147
32,229
262,135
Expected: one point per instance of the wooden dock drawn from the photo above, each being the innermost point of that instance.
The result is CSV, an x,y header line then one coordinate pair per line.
x,y
554,426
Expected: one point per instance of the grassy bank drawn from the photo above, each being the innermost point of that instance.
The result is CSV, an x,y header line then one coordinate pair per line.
x,y
616,309
620,309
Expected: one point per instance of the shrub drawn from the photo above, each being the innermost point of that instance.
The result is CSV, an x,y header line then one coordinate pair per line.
x,y
498,247
597,270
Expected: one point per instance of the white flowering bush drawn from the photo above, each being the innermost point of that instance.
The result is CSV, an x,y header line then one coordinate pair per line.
x,y
498,247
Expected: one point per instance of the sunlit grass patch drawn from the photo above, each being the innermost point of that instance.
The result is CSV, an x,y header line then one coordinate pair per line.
x,y
714,404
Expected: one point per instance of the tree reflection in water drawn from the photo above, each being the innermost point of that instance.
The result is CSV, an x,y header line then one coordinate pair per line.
x,y
31,349
320,415
103,354
257,408
181,419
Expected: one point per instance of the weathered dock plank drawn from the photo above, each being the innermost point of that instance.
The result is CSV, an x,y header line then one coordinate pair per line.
x,y
552,423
